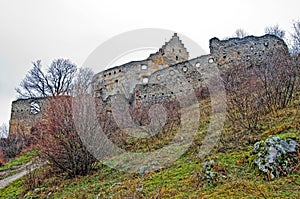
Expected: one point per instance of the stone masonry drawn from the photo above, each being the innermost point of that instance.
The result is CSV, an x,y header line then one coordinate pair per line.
x,y
123,79
25,113
162,74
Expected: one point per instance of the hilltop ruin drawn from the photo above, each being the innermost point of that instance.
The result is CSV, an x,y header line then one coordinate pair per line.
x,y
156,77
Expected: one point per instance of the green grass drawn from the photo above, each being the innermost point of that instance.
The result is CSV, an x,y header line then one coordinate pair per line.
x,y
16,188
23,158
178,180
13,190
184,177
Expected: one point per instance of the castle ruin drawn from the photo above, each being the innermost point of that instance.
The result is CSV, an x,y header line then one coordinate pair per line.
x,y
152,79
124,78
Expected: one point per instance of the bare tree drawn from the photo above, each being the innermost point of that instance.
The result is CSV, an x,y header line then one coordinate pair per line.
x,y
55,82
82,82
254,91
275,30
278,77
3,131
12,145
59,140
295,38
243,96
240,33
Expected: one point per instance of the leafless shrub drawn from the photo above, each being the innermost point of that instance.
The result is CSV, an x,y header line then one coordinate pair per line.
x,y
295,38
275,30
139,118
14,144
59,141
258,89
240,33
35,178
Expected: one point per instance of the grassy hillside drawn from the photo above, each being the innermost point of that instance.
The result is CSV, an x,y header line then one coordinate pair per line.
x,y
237,177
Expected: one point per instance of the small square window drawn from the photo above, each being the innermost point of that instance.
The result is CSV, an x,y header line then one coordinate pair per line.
x,y
145,80
144,67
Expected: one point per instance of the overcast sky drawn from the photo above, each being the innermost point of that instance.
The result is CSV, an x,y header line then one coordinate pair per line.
x,y
46,30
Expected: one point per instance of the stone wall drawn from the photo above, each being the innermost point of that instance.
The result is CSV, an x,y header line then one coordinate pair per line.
x,y
25,113
194,74
123,79
246,51
166,74
166,83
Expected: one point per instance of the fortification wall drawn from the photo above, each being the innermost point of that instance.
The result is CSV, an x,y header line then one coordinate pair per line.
x,y
178,78
123,79
194,74
247,51
161,76
25,113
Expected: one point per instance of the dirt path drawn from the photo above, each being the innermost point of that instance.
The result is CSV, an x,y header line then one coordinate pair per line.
x,y
19,172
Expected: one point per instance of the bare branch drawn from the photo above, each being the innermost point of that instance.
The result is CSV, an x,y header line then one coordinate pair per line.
x,y
57,81
295,43
275,30
240,33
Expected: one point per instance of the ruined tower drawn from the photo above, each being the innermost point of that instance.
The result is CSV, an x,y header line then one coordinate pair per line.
x,y
123,79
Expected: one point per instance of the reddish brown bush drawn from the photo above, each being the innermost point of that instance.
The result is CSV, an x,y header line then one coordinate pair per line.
x,y
257,89
2,161
59,141
14,144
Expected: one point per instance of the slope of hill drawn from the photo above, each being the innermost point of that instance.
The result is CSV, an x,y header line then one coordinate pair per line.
x,y
234,174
